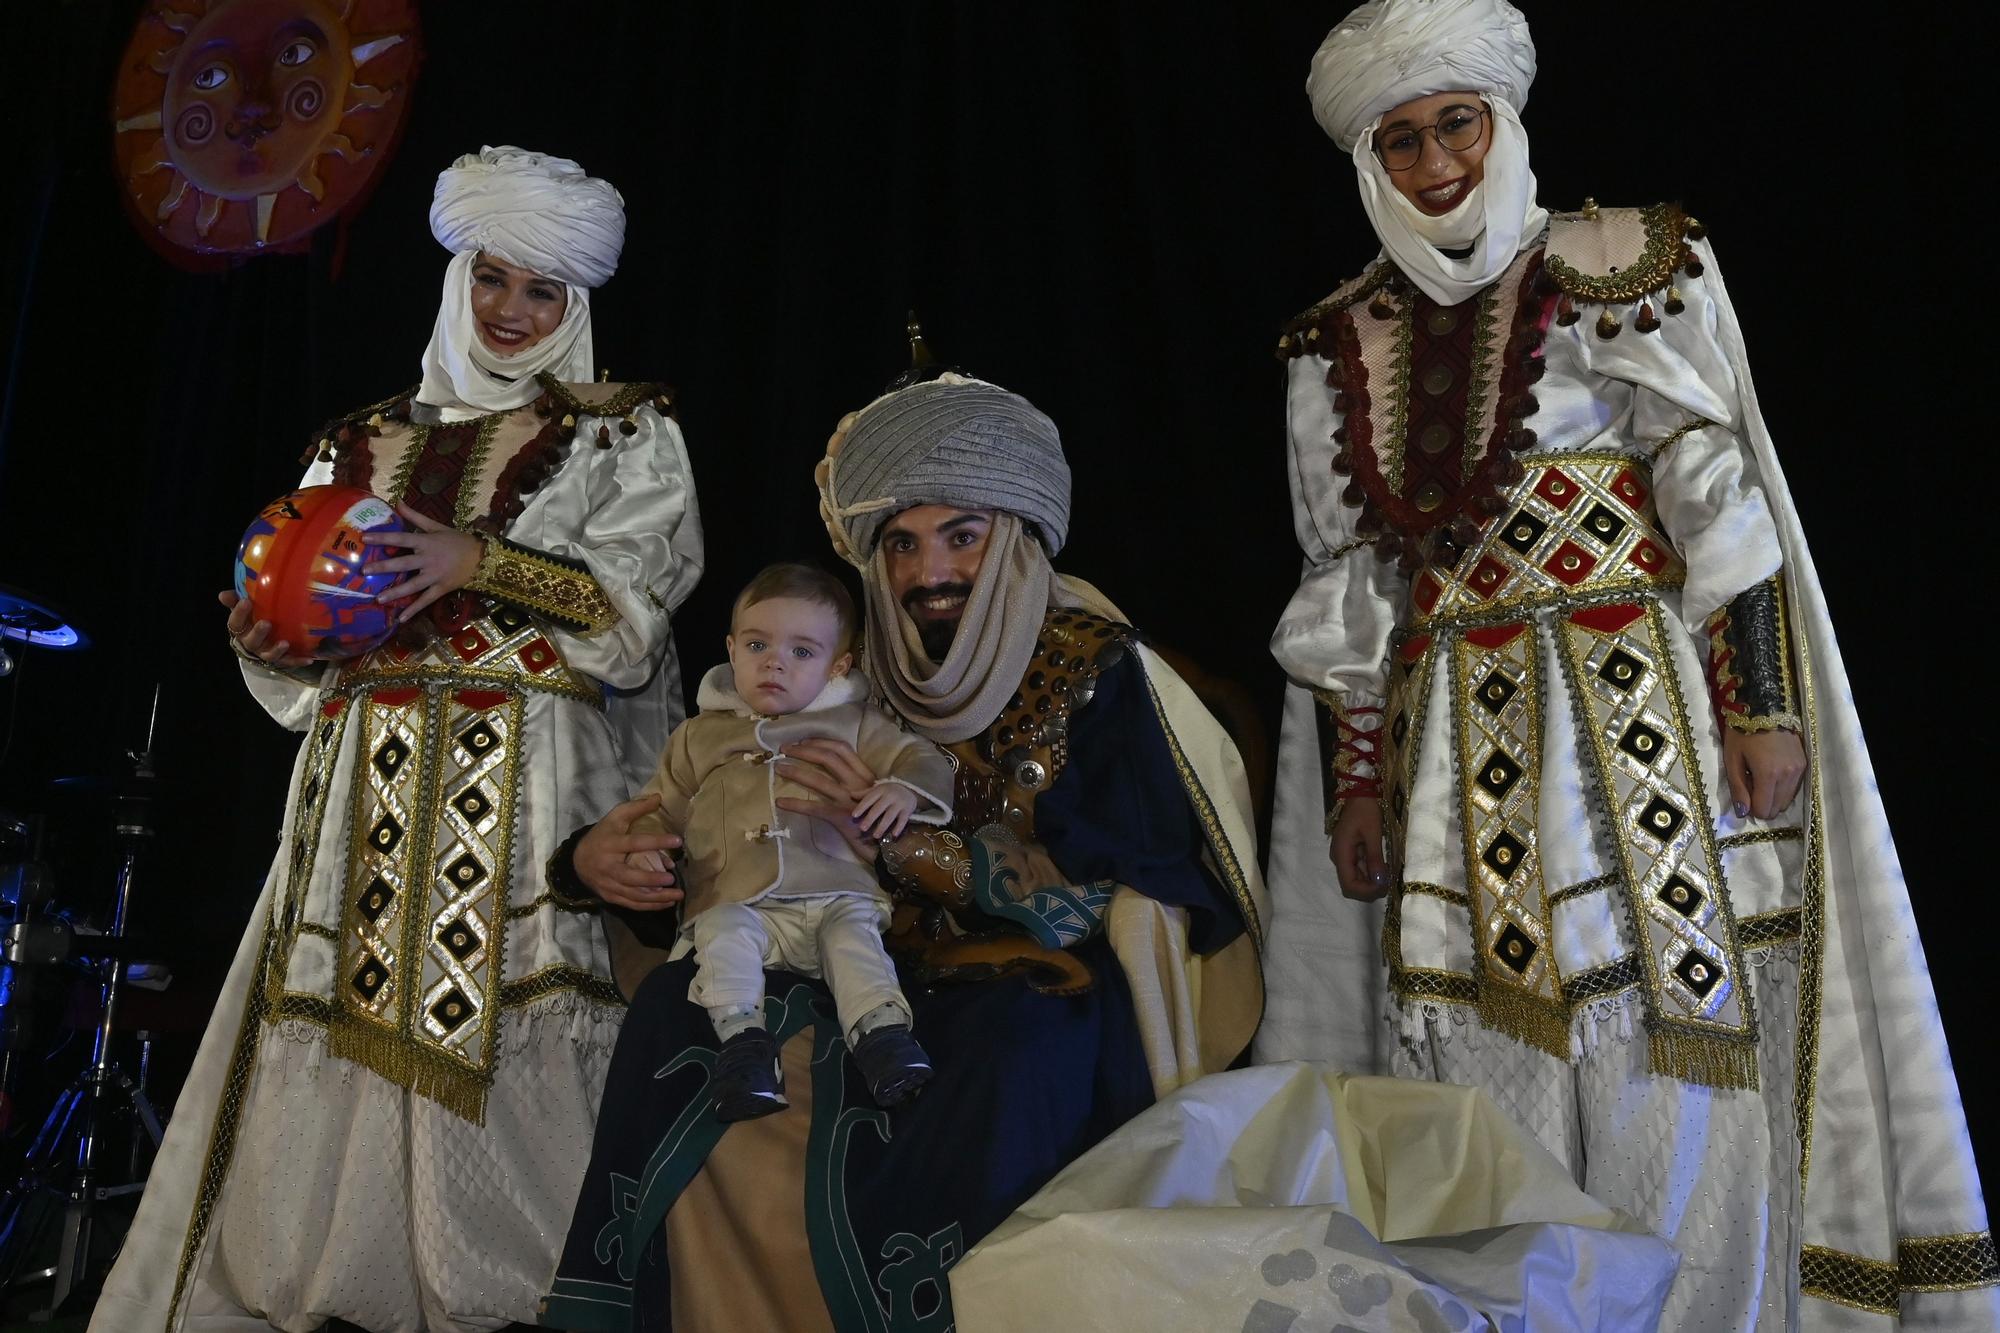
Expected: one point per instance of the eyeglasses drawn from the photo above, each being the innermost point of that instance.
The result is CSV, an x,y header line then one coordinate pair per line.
x,y
1458,129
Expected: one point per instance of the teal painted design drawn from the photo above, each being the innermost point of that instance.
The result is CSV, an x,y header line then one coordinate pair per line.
x,y
924,1263
1058,917
642,1205
837,1259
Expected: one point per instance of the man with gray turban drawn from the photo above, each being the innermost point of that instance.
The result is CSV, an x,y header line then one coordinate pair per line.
x,y
1080,939
1565,692
382,1124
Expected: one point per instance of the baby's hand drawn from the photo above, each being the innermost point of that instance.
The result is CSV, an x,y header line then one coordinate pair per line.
x,y
655,862
884,810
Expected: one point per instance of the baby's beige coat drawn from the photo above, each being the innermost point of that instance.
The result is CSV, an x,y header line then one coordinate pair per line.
x,y
719,788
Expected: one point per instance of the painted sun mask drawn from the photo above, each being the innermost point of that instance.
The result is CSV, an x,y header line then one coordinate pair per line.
x,y
243,125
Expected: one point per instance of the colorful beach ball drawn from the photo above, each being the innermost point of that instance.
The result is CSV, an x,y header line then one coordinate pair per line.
x,y
299,567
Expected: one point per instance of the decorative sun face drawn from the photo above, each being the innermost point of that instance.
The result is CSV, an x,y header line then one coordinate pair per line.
x,y
245,124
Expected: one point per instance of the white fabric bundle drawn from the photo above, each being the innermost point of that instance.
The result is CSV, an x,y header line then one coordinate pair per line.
x,y
535,212
1389,52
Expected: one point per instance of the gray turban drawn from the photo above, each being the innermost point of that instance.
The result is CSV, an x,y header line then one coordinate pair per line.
x,y
534,211
951,441
1389,52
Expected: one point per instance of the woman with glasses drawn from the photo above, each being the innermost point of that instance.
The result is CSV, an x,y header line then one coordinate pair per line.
x,y
1565,694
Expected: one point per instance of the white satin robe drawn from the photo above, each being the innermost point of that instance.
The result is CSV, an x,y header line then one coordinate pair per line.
x,y
347,1195
1718,1172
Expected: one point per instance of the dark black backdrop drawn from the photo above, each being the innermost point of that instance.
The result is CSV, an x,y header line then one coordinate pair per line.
x,y
1109,207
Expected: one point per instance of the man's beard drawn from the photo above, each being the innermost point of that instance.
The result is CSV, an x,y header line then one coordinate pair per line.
x,y
935,635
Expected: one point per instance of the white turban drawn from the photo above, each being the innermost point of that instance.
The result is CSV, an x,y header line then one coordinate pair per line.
x,y
532,210
535,212
1389,52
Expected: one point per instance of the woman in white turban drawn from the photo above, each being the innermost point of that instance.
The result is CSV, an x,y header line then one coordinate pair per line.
x,y
389,1118
1581,719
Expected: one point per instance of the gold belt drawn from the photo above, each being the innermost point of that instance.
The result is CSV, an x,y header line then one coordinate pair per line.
x,y
1578,529
495,646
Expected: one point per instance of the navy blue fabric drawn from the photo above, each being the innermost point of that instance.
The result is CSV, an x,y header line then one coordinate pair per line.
x,y
1119,812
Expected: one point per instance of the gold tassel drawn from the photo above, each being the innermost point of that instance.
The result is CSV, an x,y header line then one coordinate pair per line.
x,y
429,1074
1527,1018
1712,1062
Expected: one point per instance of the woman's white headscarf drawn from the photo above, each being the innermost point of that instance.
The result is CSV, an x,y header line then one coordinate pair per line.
x,y
1388,52
535,212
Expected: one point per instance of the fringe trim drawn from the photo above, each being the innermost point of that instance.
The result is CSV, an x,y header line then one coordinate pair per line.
x,y
1528,1019
1704,1060
434,1077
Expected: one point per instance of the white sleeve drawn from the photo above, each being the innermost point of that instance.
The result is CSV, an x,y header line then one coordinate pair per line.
x,y
1706,485
1334,634
628,513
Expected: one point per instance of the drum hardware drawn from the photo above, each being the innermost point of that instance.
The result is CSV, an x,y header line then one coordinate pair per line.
x,y
62,1166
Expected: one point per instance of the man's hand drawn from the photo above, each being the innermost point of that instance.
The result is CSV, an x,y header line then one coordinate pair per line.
x,y
885,811
1764,769
254,638
1356,850
441,560
612,861
833,771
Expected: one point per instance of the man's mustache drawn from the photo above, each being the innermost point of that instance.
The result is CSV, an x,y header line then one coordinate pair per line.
x,y
915,595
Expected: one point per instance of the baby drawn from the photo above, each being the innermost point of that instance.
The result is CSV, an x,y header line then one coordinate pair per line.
x,y
769,888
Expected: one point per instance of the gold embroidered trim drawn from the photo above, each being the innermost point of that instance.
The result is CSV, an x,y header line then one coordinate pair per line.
x,y
1757,836
466,509
1478,421
1768,928
434,677
1812,939
292,1006
555,979
308,824
1652,270
362,414
1691,951
424,923
1582,889
1963,1262
1218,839
1497,693
1751,726
562,902
1301,335
1849,1279
1403,719
1613,978
559,978
1348,548
1390,443
1948,1263
629,398
538,582
1452,896
1425,983
1668,441
316,929
222,1135
1578,529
